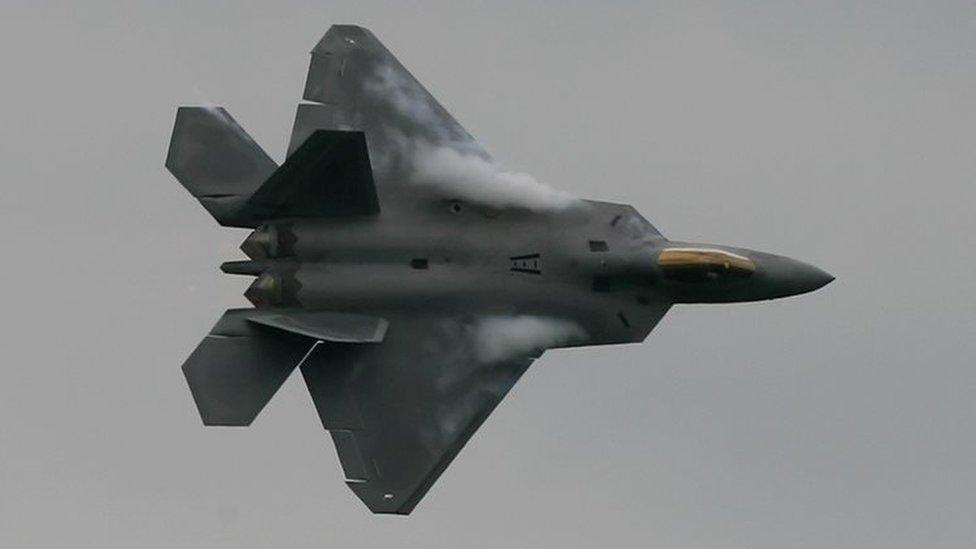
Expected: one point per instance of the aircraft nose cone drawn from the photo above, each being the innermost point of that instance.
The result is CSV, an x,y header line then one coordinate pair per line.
x,y
812,278
791,277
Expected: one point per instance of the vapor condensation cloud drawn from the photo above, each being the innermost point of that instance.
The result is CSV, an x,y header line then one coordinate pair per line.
x,y
502,338
451,161
470,177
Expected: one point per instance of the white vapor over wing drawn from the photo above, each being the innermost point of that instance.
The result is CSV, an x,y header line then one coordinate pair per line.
x,y
501,338
471,177
391,86
446,158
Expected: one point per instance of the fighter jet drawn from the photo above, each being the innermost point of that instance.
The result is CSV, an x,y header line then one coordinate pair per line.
x,y
412,280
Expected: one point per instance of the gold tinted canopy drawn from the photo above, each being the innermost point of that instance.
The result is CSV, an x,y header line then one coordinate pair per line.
x,y
704,262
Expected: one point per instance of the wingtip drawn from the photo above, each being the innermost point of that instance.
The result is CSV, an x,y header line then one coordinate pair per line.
x,y
383,503
349,32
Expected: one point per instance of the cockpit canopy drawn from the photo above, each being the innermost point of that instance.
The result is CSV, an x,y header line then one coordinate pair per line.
x,y
703,264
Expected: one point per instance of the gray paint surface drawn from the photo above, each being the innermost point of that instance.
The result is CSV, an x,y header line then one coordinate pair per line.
x,y
385,206
842,418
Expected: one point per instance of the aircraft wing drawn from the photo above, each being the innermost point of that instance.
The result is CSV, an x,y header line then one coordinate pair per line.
x,y
355,83
399,411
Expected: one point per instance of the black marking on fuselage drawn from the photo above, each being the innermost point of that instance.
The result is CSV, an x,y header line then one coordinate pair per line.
x,y
528,263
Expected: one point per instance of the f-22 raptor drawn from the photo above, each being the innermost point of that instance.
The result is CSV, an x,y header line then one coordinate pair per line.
x,y
410,278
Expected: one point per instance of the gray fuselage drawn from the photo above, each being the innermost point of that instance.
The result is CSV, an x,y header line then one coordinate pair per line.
x,y
596,263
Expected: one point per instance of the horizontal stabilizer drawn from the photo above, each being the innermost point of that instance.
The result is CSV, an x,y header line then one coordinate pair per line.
x,y
329,175
239,366
249,353
217,161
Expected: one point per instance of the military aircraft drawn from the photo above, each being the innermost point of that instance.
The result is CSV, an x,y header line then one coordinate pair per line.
x,y
410,278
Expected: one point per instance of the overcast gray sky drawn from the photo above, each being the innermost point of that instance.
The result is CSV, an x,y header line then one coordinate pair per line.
x,y
840,133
